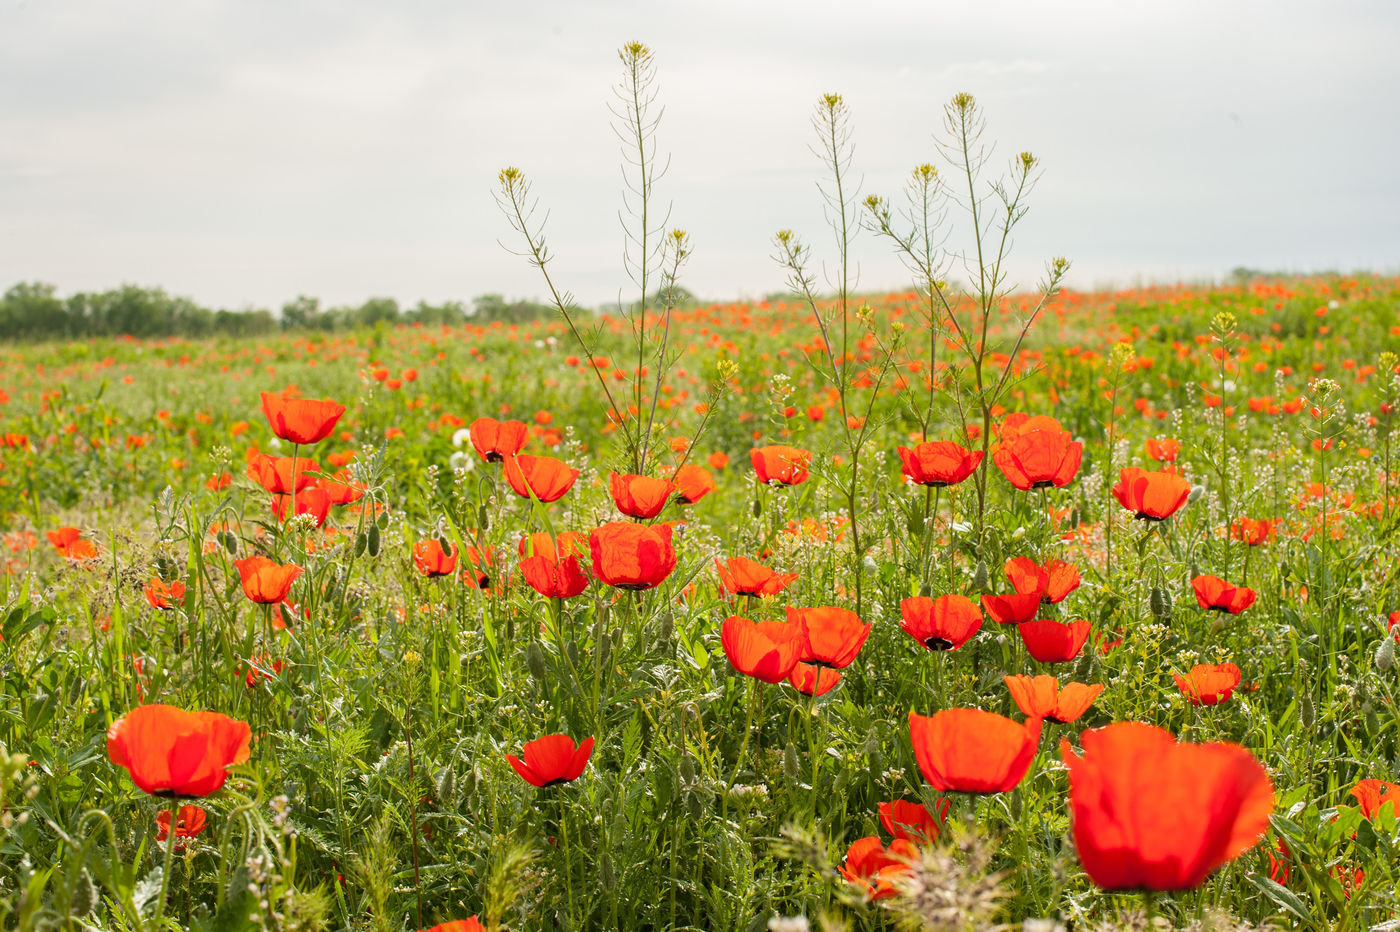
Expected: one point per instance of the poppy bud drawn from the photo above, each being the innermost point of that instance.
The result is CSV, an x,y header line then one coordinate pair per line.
x,y
444,784
791,765
1373,722
361,540
668,626
979,578
1385,654
1160,602
482,521
1307,715
229,541
604,650
372,541
534,660
757,507
469,785
872,753
925,591
1195,494
1085,666
687,770
84,896
606,876
572,651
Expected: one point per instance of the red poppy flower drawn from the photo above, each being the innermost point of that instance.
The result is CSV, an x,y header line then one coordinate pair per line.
x,y
264,581
834,636
692,484
477,570
1052,582
1042,697
552,759
162,595
945,623
742,576
939,463
812,680
1149,812
470,924
554,579
781,464
1053,641
274,473
1252,532
632,556
1035,453
190,820
497,440
639,496
765,650
971,751
431,560
912,821
540,544
1208,683
301,420
170,752
311,501
1371,795
1163,451
874,868
548,477
69,543
1013,608
1215,594
342,489
1152,496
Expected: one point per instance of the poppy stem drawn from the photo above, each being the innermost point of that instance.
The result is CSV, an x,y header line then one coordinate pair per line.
x,y
169,862
743,745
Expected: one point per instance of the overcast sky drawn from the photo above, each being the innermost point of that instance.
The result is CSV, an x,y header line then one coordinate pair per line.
x,y
246,152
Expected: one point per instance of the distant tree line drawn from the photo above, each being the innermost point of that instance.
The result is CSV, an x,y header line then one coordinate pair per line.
x,y
33,311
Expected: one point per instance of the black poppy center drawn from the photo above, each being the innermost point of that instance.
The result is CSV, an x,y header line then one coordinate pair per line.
x,y
938,644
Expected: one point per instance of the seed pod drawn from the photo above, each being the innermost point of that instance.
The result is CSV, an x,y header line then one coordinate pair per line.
x,y
444,543
667,628
1160,602
979,578
618,834
470,783
1373,722
693,806
1385,654
604,651
687,770
230,542
483,521
572,650
361,541
791,766
872,752
1307,714
534,659
1074,518
372,542
757,507
1195,494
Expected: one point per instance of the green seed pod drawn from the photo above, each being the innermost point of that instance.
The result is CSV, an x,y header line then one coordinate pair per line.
x,y
230,541
604,651
618,834
444,543
572,650
873,753
791,765
687,770
1160,602
1373,722
1307,714
1074,518
372,541
694,806
483,521
361,541
534,660
979,578
667,627
757,507
1385,654
469,785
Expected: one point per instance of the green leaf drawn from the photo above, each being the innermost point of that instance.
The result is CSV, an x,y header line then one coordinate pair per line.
x,y
1282,897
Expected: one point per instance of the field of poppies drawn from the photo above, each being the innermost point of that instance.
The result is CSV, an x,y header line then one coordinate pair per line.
x,y
941,609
